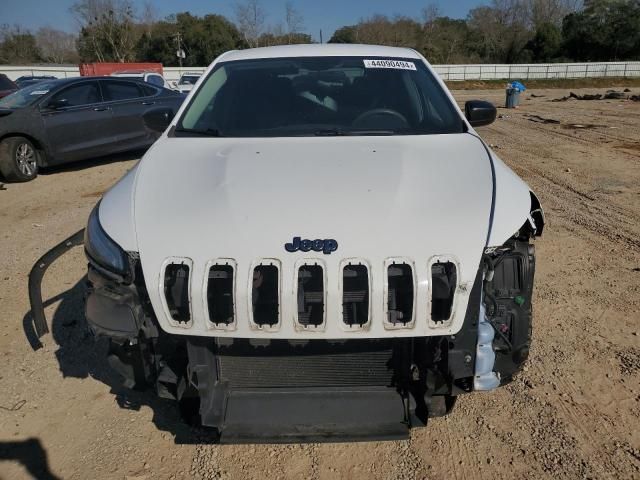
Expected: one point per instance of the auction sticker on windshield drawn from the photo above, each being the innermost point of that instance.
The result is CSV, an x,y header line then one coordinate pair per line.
x,y
398,64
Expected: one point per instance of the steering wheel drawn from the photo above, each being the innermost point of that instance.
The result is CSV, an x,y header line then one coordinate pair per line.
x,y
379,111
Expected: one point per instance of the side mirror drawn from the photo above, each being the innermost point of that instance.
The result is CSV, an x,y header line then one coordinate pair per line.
x,y
479,112
158,119
58,104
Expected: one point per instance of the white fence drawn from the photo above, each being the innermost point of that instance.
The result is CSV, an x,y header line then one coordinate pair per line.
x,y
447,72
538,71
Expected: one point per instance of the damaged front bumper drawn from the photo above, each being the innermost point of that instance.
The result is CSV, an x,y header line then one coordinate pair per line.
x,y
279,390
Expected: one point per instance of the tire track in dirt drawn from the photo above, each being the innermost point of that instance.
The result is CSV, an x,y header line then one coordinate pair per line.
x,y
603,218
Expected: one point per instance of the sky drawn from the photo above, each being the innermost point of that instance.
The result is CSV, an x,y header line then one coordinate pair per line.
x,y
318,14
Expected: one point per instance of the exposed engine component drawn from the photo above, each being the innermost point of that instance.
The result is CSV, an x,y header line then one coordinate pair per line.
x,y
444,279
401,296
310,295
264,297
176,291
220,294
355,295
507,292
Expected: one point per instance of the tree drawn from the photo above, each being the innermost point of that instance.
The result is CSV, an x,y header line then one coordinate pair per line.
x,y
604,30
381,30
545,45
148,16
273,38
499,31
430,14
17,46
108,29
56,46
543,12
203,39
447,41
293,20
250,18
346,34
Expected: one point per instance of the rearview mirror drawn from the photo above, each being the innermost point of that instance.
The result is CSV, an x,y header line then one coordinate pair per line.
x,y
158,119
479,112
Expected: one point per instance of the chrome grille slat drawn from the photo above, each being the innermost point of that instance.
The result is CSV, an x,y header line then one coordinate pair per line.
x,y
389,296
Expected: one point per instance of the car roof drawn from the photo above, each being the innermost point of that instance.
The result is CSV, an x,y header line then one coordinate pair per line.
x,y
133,72
320,50
67,81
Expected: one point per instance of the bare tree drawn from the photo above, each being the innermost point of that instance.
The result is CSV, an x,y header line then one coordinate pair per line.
x,y
109,26
251,18
541,12
430,13
56,46
294,20
148,16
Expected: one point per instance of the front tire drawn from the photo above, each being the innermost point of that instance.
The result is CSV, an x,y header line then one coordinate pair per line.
x,y
18,159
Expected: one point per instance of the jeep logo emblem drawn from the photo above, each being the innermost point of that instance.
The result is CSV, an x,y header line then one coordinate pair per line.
x,y
325,246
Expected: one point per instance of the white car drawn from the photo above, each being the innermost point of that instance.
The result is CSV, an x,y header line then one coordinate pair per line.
x,y
146,76
319,247
187,81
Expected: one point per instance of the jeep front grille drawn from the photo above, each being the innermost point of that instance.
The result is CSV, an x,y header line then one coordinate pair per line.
x,y
265,295
220,290
400,295
443,288
355,295
176,291
310,295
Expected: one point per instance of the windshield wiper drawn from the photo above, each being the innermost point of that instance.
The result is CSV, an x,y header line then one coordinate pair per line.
x,y
200,132
370,132
337,132
329,132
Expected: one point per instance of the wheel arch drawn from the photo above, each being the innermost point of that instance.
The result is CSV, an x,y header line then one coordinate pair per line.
x,y
515,205
43,155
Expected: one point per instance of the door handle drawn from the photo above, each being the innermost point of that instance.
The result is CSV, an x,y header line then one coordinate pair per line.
x,y
148,103
100,109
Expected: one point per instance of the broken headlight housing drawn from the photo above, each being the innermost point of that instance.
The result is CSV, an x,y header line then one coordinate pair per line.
x,y
102,250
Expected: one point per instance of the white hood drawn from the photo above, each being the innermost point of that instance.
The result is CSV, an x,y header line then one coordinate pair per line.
x,y
409,197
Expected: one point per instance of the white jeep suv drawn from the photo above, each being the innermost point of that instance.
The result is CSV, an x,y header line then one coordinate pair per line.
x,y
319,247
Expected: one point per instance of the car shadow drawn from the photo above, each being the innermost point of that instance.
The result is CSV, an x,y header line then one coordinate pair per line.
x,y
31,454
92,162
80,355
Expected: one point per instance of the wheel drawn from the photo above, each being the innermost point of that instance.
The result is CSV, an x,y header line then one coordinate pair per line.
x,y
18,159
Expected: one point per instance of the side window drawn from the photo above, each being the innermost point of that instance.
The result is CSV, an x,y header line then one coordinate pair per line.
x,y
119,90
78,95
155,80
148,90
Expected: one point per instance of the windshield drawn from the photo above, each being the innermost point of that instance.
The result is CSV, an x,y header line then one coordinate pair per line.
x,y
188,79
27,95
320,96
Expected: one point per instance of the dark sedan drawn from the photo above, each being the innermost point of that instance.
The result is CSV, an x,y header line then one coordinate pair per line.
x,y
28,80
61,121
6,86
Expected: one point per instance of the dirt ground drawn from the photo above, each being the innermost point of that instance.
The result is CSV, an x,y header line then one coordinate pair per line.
x,y
573,413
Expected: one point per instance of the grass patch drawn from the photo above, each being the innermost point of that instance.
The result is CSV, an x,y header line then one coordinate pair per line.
x,y
607,82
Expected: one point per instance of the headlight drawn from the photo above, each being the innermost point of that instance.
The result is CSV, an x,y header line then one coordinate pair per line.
x,y
101,249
